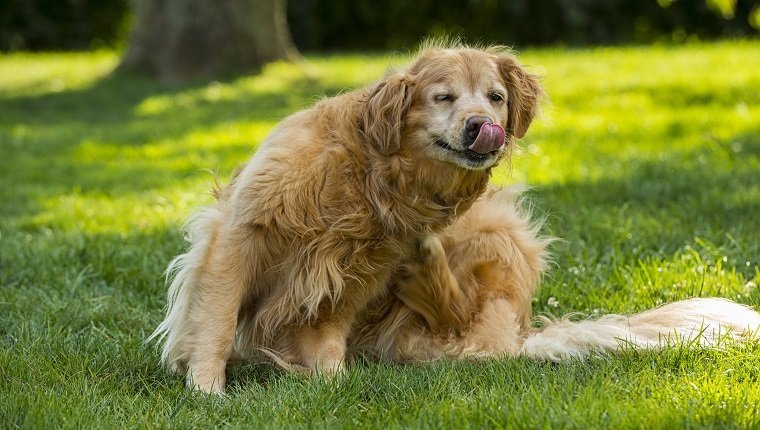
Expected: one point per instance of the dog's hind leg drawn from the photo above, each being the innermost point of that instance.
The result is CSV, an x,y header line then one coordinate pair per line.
x,y
427,286
213,319
204,300
213,316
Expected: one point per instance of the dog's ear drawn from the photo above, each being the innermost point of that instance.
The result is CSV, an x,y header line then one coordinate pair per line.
x,y
524,94
383,116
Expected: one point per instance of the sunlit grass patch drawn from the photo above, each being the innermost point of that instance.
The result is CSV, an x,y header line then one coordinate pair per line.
x,y
34,74
610,106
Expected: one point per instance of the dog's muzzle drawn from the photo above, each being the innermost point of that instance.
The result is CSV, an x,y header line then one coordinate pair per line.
x,y
482,136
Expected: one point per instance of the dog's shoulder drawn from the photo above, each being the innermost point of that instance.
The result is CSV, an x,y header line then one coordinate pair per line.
x,y
307,171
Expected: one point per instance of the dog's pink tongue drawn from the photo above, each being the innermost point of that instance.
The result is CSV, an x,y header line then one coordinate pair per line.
x,y
490,138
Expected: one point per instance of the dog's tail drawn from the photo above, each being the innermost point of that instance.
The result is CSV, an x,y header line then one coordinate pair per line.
x,y
700,321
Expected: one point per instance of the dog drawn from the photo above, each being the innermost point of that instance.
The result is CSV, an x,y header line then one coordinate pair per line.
x,y
311,229
466,292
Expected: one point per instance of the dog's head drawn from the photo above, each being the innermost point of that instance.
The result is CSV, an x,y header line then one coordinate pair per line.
x,y
463,106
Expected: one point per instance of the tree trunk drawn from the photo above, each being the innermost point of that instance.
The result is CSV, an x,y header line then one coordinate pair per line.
x,y
180,40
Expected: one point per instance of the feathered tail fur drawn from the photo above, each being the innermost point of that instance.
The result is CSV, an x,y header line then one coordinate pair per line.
x,y
699,321
182,272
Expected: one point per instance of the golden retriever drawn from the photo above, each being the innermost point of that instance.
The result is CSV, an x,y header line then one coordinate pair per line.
x,y
351,230
311,228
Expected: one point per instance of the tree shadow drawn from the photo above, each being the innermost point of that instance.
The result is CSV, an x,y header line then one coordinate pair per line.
x,y
114,101
126,134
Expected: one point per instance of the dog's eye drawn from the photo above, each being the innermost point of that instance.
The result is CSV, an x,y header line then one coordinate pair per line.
x,y
496,97
444,98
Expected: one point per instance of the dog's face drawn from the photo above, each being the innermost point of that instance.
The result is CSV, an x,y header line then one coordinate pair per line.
x,y
459,106
459,112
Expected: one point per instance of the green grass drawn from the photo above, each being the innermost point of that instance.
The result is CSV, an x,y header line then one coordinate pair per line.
x,y
646,163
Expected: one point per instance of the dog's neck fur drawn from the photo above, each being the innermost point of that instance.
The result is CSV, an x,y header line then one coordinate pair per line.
x,y
410,198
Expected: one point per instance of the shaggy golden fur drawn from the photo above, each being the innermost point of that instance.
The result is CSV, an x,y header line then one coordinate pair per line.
x,y
309,231
379,196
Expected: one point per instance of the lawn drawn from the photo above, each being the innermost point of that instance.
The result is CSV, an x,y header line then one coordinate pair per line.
x,y
646,162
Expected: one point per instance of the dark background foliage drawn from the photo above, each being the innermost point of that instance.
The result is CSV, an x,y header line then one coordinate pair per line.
x,y
362,24
37,25
326,25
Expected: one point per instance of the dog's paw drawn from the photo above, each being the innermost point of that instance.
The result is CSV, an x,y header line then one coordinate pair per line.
x,y
430,249
205,384
426,253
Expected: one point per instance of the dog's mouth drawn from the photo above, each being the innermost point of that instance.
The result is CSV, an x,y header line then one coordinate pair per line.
x,y
485,147
468,154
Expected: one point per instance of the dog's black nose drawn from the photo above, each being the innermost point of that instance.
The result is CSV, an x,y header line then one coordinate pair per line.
x,y
472,127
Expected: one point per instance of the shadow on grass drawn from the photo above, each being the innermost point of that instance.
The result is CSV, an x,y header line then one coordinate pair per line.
x,y
115,100
125,134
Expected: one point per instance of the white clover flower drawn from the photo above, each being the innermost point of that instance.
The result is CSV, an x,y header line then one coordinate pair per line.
x,y
749,286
